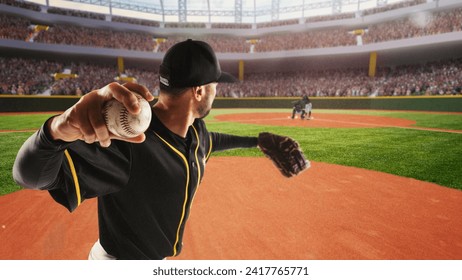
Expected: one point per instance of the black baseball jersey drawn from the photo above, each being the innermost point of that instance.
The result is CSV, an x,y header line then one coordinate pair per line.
x,y
299,105
144,190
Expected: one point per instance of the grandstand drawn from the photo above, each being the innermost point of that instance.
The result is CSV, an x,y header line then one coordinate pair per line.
x,y
405,48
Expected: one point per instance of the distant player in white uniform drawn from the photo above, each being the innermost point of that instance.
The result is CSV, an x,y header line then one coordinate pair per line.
x,y
308,106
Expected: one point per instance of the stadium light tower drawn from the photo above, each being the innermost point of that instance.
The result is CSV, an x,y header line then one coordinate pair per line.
x,y
110,8
238,11
275,10
163,10
336,6
209,13
182,11
255,12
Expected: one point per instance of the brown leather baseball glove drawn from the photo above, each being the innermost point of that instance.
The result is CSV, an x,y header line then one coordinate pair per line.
x,y
284,152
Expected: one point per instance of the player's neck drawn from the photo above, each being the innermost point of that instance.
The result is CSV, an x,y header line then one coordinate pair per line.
x,y
175,116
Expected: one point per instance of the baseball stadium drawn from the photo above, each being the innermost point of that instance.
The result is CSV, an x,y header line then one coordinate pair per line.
x,y
383,137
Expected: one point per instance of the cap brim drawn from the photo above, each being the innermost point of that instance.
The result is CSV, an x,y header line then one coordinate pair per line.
x,y
227,78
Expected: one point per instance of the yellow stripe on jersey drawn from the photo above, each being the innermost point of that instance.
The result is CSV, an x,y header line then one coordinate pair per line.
x,y
195,154
74,176
210,148
186,191
198,166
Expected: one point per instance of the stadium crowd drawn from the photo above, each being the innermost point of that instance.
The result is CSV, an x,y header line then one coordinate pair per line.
x,y
13,27
34,76
436,78
31,76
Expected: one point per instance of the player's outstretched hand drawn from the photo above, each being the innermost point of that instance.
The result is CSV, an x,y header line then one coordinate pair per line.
x,y
85,120
284,152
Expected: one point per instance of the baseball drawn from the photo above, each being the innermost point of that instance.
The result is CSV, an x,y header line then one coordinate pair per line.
x,y
122,123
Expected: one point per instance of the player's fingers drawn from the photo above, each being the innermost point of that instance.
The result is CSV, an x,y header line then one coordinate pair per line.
x,y
80,130
99,127
88,117
104,141
80,116
110,90
140,89
121,94
125,96
88,133
137,139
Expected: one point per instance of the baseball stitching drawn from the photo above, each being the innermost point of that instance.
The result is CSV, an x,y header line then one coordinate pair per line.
x,y
105,112
124,122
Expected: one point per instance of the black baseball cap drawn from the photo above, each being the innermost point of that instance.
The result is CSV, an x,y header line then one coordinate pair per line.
x,y
191,63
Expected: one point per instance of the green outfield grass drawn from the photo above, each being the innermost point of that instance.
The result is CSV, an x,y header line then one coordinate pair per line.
x,y
424,155
22,122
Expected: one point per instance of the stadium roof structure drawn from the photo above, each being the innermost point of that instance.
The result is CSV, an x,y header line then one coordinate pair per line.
x,y
229,11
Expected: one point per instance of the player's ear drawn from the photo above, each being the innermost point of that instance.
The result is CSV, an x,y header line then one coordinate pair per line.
x,y
198,92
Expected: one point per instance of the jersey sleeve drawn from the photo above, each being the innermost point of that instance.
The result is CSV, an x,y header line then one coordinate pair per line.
x,y
221,141
71,172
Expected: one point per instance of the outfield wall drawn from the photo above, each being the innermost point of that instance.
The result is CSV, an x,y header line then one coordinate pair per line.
x,y
414,103
14,103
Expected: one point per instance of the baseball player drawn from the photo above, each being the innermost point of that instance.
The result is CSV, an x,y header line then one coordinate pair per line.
x,y
302,107
308,106
144,184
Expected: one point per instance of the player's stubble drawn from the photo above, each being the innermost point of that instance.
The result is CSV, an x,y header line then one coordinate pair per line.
x,y
206,104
